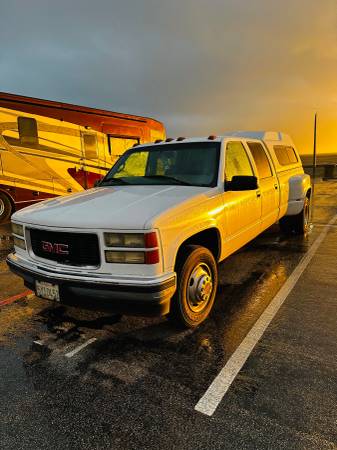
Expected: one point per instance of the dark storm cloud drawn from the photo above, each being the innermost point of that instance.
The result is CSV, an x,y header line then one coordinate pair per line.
x,y
198,65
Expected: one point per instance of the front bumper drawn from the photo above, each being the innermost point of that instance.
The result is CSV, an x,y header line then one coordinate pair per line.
x,y
145,298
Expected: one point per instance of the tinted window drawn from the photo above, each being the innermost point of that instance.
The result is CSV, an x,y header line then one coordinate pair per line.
x,y
261,160
28,131
237,162
285,155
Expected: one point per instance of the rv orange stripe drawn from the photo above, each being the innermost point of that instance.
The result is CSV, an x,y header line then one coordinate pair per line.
x,y
12,299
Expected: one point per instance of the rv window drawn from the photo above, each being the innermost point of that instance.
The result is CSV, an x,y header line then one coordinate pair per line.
x,y
261,160
119,145
28,131
90,145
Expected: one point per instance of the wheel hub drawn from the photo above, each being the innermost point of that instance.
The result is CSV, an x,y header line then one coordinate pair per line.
x,y
200,287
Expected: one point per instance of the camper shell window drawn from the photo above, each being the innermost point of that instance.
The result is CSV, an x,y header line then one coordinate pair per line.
x,y
285,155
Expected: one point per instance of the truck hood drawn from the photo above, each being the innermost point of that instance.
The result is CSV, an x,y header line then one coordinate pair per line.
x,y
118,207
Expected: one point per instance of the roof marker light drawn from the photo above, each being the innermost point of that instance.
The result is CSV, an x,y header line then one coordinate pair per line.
x,y
135,145
180,138
169,140
212,137
157,141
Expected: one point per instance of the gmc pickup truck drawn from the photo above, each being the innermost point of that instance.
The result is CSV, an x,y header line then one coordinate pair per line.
x,y
149,237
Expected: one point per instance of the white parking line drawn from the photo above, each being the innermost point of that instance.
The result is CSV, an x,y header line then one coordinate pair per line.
x,y
80,347
216,391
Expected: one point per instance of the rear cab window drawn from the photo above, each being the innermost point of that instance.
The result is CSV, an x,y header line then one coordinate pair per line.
x,y
261,160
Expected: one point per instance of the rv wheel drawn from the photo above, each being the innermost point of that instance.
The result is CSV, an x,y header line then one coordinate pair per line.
x,y
5,208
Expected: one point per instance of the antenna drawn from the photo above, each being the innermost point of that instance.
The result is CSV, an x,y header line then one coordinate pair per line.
x,y
314,164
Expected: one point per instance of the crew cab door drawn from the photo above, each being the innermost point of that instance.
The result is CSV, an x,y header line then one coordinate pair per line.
x,y
242,209
268,183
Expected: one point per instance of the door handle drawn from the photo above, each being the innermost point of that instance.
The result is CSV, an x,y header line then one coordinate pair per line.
x,y
276,186
258,194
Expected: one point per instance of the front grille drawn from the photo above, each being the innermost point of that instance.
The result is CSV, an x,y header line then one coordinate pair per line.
x,y
76,249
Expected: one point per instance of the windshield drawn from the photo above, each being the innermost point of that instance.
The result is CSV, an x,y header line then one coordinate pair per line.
x,y
190,164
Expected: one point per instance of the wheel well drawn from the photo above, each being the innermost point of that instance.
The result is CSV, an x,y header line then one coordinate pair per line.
x,y
209,238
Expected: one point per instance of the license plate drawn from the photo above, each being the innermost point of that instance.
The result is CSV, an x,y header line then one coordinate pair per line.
x,y
47,290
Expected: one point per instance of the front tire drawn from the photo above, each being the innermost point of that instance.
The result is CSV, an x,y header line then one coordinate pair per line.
x,y
5,208
298,224
197,274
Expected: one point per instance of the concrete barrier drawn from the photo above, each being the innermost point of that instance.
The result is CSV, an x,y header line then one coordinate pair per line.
x,y
325,171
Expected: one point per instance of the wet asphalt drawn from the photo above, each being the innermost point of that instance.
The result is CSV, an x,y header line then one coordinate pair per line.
x,y
136,384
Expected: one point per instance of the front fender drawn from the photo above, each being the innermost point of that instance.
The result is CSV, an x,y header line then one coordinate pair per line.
x,y
172,245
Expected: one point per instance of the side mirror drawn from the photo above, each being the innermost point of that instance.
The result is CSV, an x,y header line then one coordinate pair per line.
x,y
242,183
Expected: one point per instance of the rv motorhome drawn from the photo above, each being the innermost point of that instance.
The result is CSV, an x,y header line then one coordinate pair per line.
x,y
49,148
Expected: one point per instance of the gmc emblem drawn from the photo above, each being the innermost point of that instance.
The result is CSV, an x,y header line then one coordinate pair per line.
x,y
57,249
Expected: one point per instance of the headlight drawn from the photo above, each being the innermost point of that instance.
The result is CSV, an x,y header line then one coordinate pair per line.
x,y
17,229
124,257
132,257
19,243
131,240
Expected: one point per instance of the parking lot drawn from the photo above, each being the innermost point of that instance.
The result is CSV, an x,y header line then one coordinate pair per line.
x,y
75,379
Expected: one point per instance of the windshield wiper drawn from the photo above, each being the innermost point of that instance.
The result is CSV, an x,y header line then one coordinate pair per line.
x,y
113,181
165,177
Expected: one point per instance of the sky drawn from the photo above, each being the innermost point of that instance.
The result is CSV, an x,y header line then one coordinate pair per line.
x,y
200,66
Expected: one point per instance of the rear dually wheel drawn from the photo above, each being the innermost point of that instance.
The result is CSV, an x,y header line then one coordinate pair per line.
x,y
298,224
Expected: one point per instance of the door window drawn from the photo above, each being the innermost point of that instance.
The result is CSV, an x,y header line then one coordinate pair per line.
x,y
261,160
237,161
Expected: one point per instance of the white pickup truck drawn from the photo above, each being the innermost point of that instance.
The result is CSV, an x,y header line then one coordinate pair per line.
x,y
148,239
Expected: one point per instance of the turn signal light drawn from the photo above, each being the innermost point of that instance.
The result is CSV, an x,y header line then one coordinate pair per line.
x,y
151,240
152,257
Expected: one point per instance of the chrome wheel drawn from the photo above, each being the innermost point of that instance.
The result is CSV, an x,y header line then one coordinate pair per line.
x,y
2,207
199,287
